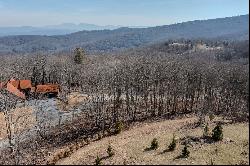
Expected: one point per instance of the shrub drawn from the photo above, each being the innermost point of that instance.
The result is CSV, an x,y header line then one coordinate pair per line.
x,y
211,117
98,161
211,162
110,151
185,152
201,120
154,144
99,136
65,154
206,131
172,145
217,133
118,127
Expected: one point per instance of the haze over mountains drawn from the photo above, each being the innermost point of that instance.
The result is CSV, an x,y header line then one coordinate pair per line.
x,y
60,29
229,28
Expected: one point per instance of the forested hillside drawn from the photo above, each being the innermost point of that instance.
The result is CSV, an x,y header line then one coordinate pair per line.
x,y
162,81
230,28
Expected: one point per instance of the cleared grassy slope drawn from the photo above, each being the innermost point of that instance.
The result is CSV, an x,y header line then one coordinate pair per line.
x,y
129,146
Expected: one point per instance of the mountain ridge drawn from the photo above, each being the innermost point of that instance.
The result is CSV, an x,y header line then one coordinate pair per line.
x,y
229,28
60,29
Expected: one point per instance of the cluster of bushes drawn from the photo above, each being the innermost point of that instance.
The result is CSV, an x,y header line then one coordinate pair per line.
x,y
171,147
217,135
110,152
217,132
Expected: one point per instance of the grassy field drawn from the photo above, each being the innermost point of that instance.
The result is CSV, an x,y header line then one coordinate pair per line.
x,y
130,146
73,100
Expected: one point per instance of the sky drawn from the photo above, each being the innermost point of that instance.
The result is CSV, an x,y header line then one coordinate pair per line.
x,y
116,12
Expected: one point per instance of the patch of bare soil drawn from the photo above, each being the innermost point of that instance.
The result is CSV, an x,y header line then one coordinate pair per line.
x,y
73,100
2,126
129,146
20,119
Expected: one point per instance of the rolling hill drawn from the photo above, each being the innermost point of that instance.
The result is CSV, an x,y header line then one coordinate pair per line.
x,y
131,147
229,28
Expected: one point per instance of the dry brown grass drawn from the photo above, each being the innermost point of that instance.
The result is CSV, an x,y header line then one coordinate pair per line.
x,y
64,152
2,126
74,99
129,146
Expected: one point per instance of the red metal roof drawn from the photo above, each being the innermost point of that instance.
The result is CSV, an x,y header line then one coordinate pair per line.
x,y
47,88
25,84
15,91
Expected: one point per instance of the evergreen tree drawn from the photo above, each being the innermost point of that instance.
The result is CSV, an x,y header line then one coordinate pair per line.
x,y
172,146
154,144
185,152
110,151
217,133
97,160
118,127
79,55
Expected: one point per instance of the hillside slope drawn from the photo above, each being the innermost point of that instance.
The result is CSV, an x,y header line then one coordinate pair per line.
x,y
109,40
130,146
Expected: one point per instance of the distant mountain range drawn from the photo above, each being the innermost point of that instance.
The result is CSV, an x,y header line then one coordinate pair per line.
x,y
60,29
229,28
